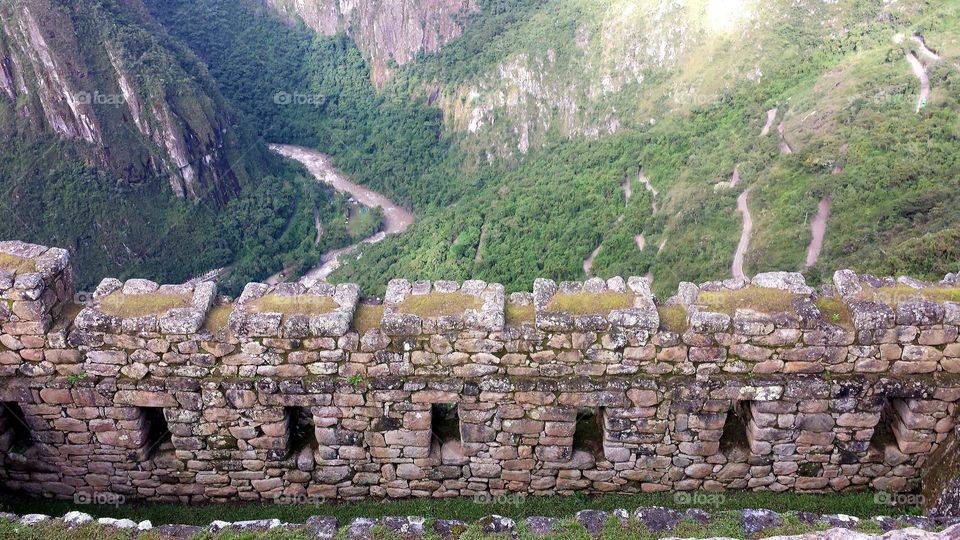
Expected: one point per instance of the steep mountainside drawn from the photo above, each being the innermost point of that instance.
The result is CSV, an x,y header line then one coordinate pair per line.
x,y
390,33
616,137
565,138
118,144
93,72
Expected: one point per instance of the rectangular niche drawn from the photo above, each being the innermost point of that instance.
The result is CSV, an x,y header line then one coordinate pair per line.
x,y
445,422
588,431
734,441
883,435
15,433
156,432
301,432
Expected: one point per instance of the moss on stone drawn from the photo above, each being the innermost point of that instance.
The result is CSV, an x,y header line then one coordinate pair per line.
x,y
138,305
439,304
217,318
761,299
901,293
835,311
584,303
673,318
367,317
17,264
303,304
516,315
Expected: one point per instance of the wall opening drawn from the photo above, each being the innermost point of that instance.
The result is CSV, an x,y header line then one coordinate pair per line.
x,y
157,431
883,435
588,431
300,429
15,433
734,443
445,422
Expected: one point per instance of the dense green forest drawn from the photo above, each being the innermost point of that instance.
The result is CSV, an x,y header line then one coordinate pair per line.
x,y
894,203
489,209
122,223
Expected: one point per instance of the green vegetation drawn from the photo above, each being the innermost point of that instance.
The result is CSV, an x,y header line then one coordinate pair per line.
x,y
586,303
18,264
860,504
517,315
673,318
834,310
217,318
756,298
138,305
367,317
901,293
439,304
303,304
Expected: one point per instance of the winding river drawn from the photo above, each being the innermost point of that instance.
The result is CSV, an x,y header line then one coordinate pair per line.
x,y
396,218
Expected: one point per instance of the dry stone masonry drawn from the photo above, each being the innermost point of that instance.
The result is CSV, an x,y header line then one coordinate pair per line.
x,y
577,387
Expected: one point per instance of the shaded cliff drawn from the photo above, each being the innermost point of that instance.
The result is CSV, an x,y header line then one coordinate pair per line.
x,y
100,73
389,33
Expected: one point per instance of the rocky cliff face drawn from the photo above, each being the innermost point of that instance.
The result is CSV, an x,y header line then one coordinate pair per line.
x,y
99,74
389,32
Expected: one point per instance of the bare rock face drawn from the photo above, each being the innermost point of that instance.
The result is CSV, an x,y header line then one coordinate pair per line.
x,y
388,32
47,75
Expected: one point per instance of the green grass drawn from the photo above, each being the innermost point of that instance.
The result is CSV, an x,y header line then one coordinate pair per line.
x,y
138,305
516,315
217,318
724,525
901,293
859,504
835,311
673,318
586,303
293,305
439,304
17,264
757,298
367,317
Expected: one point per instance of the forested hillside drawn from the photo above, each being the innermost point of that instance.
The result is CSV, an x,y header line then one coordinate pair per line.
x,y
569,137
557,138
119,146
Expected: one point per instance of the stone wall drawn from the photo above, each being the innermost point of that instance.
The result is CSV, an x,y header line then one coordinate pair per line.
x,y
593,387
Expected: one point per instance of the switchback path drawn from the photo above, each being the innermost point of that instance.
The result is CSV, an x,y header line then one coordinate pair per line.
x,y
396,218
818,230
921,73
744,244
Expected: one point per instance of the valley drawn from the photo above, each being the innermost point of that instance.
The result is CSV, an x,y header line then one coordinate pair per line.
x,y
395,218
560,139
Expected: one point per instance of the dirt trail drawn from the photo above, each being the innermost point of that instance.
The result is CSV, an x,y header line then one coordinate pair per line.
x,y
923,48
818,227
641,241
627,191
771,116
735,179
588,262
784,145
396,218
744,244
649,187
921,73
818,230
